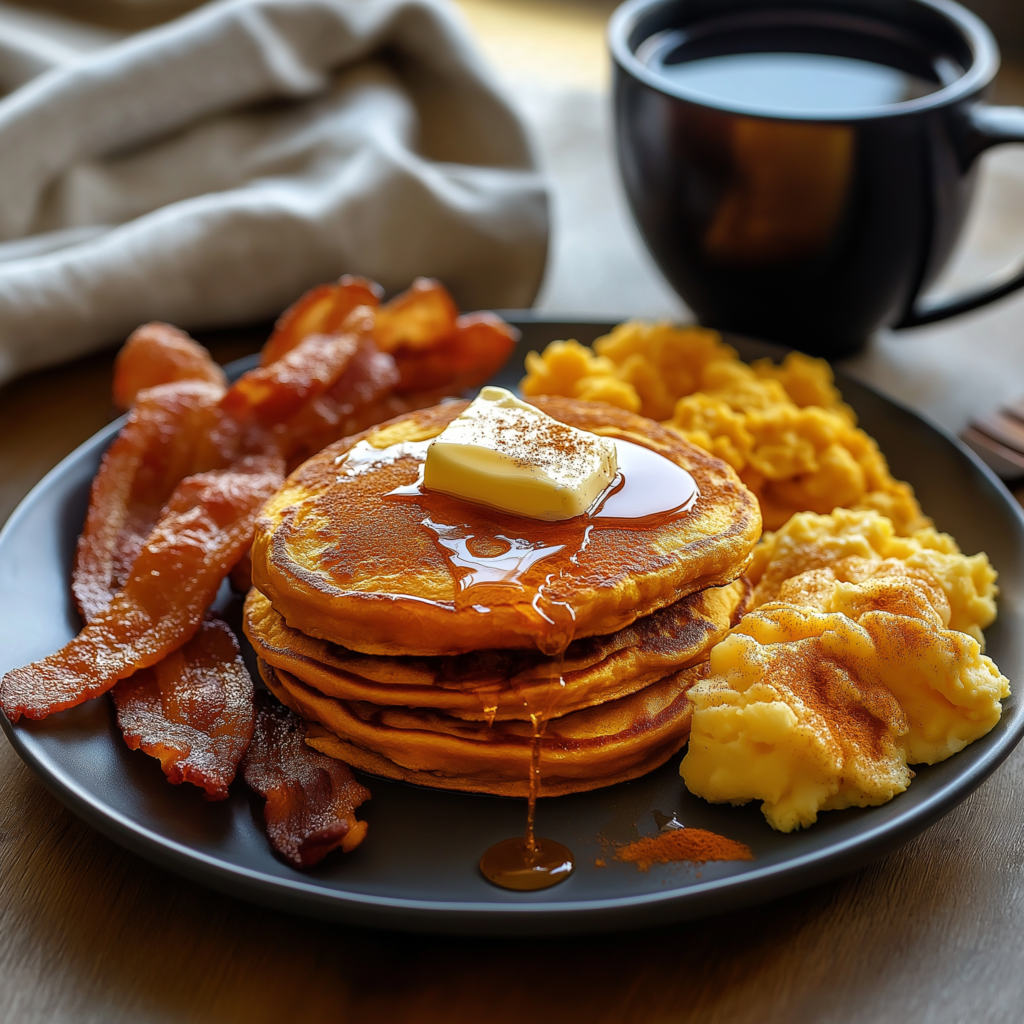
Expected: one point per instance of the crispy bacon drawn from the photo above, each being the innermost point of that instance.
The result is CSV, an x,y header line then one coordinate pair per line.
x,y
272,394
418,318
205,529
311,798
477,348
171,433
158,353
356,400
193,711
322,310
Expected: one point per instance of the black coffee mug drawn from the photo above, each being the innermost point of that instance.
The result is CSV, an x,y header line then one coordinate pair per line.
x,y
801,169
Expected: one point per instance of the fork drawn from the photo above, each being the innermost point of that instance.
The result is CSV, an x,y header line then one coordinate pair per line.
x,y
998,437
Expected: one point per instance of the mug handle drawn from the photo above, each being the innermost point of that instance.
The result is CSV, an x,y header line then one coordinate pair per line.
x,y
987,126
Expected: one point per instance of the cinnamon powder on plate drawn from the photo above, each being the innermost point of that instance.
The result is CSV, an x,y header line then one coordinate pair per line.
x,y
690,844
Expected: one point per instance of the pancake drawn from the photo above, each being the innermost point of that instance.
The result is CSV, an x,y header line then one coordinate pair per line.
x,y
502,685
352,552
586,750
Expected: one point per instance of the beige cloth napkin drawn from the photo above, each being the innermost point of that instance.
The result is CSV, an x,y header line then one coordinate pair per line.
x,y
207,171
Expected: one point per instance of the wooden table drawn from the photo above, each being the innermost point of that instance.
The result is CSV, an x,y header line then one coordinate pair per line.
x,y
89,932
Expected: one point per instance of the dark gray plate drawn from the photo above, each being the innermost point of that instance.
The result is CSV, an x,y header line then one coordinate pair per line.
x,y
418,868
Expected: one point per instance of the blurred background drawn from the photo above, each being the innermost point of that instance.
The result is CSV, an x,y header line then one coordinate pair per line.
x,y
552,57
1006,19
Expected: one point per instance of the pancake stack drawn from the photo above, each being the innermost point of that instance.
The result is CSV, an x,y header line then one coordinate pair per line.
x,y
430,640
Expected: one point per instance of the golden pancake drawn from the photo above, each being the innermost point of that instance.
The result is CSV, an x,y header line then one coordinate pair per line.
x,y
588,749
352,551
502,685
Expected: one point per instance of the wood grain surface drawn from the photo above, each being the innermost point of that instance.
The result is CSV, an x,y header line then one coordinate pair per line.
x,y
90,932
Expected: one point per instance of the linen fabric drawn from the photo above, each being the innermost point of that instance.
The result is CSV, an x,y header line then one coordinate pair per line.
x,y
207,171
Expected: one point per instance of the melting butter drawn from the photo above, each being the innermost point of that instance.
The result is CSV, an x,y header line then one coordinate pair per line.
x,y
508,455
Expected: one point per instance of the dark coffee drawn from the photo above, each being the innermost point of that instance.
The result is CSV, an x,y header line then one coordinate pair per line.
x,y
801,169
789,83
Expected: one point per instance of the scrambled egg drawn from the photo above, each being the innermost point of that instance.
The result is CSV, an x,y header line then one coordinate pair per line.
x,y
846,672
784,429
853,543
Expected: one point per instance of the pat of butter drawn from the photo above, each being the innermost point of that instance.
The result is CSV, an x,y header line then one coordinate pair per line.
x,y
508,455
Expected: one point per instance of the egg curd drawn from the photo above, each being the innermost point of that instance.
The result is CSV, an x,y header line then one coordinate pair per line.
x,y
850,542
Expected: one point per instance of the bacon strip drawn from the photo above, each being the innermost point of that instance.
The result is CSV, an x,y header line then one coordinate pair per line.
x,y
193,711
206,528
355,401
169,435
322,310
478,347
158,353
418,318
311,798
272,394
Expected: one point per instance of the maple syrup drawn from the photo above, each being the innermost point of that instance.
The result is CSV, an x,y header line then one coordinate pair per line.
x,y
511,864
528,863
499,559
647,484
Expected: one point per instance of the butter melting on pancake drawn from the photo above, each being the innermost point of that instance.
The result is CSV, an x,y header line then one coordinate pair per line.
x,y
498,685
359,556
505,453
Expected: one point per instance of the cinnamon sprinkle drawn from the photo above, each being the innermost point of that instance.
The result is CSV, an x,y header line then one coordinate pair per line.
x,y
690,844
540,443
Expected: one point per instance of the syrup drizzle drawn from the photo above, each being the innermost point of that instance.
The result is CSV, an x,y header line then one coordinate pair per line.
x,y
647,484
494,570
488,572
363,457
531,862
539,723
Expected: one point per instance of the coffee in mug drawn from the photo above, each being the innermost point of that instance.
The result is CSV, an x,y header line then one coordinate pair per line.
x,y
801,171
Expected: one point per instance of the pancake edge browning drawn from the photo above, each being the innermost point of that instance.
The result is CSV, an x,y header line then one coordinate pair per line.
x,y
724,525
322,739
631,660
447,761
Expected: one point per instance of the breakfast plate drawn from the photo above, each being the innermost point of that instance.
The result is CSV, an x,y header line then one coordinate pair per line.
x,y
418,868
